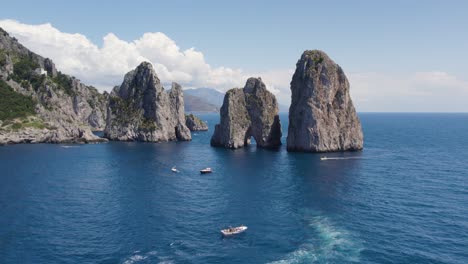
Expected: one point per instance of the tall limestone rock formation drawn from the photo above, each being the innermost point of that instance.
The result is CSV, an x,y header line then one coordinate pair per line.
x,y
40,104
248,112
141,110
322,117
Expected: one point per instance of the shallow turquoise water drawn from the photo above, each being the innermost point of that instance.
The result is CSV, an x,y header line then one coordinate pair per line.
x,y
404,199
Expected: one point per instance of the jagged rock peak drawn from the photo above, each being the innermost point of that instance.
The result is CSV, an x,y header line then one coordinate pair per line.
x,y
141,110
248,112
142,78
322,117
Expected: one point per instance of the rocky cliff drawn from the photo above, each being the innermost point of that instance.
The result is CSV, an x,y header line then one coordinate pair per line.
x,y
194,123
322,117
248,112
141,110
54,107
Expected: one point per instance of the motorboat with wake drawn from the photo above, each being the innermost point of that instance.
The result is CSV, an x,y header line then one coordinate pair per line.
x,y
340,158
233,230
174,170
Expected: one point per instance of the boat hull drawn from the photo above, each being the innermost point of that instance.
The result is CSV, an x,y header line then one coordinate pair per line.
x,y
234,231
205,171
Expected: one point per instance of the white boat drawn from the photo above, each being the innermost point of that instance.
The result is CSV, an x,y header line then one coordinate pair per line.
x,y
323,158
206,170
233,230
174,169
69,146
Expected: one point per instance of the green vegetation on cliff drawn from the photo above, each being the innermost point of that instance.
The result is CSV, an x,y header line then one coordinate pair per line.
x,y
36,123
13,104
125,111
25,122
3,58
24,73
24,68
64,82
148,125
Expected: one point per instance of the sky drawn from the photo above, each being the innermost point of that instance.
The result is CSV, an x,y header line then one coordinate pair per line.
x,y
399,56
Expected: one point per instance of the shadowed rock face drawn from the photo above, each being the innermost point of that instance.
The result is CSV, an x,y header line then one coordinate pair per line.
x,y
248,112
322,117
141,110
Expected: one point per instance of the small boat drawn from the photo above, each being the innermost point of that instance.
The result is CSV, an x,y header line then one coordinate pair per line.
x,y
174,169
233,230
69,146
206,170
323,158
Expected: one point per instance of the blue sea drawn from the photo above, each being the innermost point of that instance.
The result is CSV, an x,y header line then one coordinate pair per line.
x,y
403,199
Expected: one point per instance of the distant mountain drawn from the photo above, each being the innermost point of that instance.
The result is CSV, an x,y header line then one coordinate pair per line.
x,y
197,104
203,100
209,100
209,95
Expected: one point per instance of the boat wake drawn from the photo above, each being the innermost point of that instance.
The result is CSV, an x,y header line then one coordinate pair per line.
x,y
69,146
327,244
339,158
149,257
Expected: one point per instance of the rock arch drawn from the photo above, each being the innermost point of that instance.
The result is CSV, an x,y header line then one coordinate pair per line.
x,y
248,112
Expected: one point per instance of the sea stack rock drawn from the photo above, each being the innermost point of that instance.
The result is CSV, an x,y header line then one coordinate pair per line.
x,y
141,110
194,123
322,117
248,112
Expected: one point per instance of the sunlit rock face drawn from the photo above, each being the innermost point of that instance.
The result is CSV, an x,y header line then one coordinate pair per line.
x,y
322,117
141,110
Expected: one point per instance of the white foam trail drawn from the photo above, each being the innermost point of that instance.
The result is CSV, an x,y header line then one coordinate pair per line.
x,y
137,257
166,262
335,243
327,244
301,255
69,146
340,158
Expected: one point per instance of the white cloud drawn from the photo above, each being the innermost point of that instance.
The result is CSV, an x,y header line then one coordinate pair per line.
x,y
105,66
433,91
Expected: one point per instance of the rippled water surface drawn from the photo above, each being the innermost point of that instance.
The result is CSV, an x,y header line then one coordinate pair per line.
x,y
404,199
